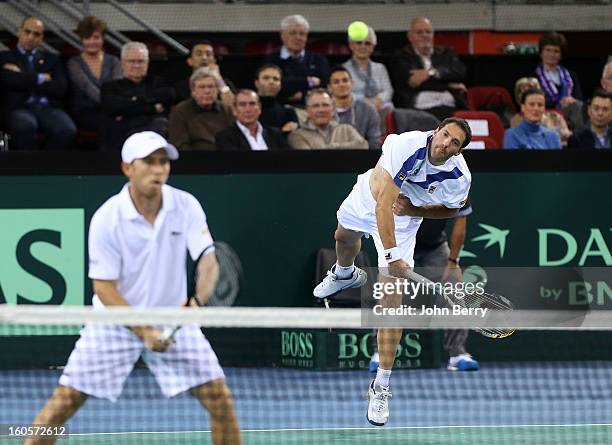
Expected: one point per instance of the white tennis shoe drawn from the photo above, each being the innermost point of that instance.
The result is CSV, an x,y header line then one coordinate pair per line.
x,y
378,404
331,284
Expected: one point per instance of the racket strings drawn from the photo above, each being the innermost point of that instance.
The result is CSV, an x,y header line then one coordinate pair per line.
x,y
490,301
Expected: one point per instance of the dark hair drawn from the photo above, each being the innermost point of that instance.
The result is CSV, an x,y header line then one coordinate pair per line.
x,y
461,123
201,42
90,24
268,66
338,69
600,92
529,92
553,39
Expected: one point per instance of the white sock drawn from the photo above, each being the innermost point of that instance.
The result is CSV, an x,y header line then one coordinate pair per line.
x,y
382,377
343,272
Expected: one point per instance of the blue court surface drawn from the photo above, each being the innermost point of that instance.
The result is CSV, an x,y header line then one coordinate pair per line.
x,y
551,403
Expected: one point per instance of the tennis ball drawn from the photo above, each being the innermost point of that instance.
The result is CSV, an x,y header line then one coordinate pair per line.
x,y
358,31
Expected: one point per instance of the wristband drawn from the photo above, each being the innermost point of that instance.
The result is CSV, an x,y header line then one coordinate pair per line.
x,y
392,254
454,260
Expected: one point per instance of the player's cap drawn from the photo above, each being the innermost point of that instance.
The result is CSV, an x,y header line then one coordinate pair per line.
x,y
140,145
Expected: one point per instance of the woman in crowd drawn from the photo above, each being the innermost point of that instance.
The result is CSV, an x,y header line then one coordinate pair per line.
x,y
550,119
88,71
370,79
530,133
560,85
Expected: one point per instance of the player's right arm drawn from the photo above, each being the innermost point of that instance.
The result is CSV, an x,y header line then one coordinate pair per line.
x,y
387,193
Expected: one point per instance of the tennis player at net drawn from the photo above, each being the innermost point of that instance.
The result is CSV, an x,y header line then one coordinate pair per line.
x,y
138,242
428,172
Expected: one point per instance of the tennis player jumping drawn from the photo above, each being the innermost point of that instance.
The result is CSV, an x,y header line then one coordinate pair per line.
x,y
427,171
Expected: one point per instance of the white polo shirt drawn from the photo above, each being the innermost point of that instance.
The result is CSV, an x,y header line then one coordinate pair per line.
x,y
148,261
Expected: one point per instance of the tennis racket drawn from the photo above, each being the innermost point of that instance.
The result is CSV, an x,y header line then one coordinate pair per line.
x,y
227,288
474,299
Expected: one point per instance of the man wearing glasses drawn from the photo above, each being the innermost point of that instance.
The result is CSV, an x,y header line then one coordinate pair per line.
x,y
138,102
35,86
302,70
370,79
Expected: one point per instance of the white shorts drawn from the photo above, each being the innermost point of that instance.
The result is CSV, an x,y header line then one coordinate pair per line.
x,y
105,355
358,213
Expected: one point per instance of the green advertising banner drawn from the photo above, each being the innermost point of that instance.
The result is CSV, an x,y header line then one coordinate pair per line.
x,y
277,222
280,221
42,256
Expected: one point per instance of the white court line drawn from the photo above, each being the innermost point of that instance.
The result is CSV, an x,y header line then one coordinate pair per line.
x,y
575,425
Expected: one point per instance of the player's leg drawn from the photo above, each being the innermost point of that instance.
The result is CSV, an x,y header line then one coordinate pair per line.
x,y
216,397
343,274
190,364
387,341
348,245
60,407
389,338
354,219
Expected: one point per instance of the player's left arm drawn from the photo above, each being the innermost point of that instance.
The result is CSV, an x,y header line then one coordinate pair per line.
x,y
208,276
452,272
404,207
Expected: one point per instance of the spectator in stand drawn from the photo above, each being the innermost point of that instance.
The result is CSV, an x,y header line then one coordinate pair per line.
x,y
268,81
550,119
560,85
88,71
138,102
247,133
35,85
195,122
530,133
203,55
320,130
428,77
302,70
358,113
598,131
370,79
520,86
555,121
606,77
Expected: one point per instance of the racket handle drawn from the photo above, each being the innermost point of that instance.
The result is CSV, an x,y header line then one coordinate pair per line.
x,y
168,333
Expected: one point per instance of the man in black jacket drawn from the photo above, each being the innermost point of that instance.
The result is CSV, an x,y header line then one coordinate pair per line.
x,y
302,70
138,102
597,133
268,81
427,77
247,133
35,86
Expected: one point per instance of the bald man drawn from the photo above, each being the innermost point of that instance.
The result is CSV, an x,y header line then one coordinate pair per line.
x,y
427,77
35,87
606,77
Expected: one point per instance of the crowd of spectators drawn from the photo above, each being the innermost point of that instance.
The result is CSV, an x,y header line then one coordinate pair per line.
x,y
297,102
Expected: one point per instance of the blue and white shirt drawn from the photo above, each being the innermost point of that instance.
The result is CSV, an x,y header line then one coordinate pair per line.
x,y
405,159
